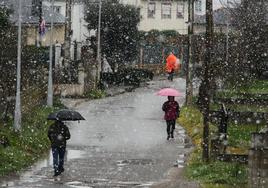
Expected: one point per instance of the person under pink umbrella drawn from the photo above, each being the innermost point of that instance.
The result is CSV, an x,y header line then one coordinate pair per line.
x,y
172,112
169,92
171,109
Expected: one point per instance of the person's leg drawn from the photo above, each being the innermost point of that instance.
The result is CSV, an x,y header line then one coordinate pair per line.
x,y
55,155
168,129
61,159
173,123
171,75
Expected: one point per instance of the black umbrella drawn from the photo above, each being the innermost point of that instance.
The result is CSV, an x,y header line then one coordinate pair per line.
x,y
66,115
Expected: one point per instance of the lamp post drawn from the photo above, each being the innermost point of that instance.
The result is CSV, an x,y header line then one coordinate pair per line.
x,y
50,79
68,33
17,116
227,33
98,45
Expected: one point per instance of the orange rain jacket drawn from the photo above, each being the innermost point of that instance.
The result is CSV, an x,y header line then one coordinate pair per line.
x,y
171,61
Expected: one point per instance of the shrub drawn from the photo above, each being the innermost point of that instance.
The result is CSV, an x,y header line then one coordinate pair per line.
x,y
95,94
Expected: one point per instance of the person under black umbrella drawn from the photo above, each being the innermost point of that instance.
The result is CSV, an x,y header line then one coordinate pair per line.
x,y
58,133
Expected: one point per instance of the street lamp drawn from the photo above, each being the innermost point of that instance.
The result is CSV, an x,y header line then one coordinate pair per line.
x,y
98,45
50,79
227,33
17,116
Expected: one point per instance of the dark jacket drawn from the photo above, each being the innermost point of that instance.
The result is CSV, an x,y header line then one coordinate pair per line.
x,y
172,110
58,133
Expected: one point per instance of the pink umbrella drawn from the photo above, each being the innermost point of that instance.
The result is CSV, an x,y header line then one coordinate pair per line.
x,y
169,92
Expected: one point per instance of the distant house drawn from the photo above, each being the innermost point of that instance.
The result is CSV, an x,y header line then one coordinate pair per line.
x,y
79,26
222,19
31,14
162,15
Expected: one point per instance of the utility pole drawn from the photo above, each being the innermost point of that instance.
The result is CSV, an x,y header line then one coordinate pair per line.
x,y
205,95
50,78
227,33
98,45
68,31
189,84
17,116
40,14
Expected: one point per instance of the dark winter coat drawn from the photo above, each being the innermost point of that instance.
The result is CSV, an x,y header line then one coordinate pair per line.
x,y
171,109
58,133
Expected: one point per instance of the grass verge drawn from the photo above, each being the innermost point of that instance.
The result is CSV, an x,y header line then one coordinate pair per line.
x,y
27,146
95,94
214,173
254,87
241,107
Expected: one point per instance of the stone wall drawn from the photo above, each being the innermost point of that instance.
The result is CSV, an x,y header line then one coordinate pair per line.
x,y
72,89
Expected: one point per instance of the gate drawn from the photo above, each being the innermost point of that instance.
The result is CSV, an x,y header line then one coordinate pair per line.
x,y
153,57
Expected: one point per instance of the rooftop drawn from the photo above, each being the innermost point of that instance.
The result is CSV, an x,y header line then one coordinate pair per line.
x,y
28,17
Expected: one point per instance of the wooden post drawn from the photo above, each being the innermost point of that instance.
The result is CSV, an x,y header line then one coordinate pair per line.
x,y
205,95
141,57
189,84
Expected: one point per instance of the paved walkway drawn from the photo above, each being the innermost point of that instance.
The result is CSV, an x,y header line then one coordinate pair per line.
x,y
122,143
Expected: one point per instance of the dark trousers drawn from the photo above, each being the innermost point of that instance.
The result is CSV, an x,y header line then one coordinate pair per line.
x,y
58,158
170,127
170,75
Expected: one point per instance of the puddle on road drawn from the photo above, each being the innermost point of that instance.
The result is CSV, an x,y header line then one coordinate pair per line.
x,y
74,154
134,162
107,183
32,174
77,184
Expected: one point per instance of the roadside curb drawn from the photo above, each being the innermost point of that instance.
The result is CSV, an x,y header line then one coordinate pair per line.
x,y
111,92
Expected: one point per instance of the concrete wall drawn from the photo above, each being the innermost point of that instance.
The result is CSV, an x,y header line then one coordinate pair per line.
x,y
33,35
72,89
69,90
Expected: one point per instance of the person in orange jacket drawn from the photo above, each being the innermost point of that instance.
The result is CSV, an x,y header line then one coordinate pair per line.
x,y
170,65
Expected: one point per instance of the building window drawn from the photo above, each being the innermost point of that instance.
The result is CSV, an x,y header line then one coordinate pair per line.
x,y
57,9
151,9
166,10
180,10
198,6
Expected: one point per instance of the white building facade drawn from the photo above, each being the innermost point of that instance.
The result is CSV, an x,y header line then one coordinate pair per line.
x,y
165,14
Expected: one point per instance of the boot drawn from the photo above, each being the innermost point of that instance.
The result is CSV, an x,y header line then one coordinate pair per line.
x,y
56,173
168,137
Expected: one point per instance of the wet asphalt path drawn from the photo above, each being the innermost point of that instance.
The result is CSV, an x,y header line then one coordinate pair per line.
x,y
122,143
